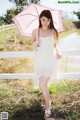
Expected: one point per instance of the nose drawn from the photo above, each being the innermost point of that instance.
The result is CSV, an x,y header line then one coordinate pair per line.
x,y
46,22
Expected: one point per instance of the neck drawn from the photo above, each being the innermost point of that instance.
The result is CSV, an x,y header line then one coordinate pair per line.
x,y
44,28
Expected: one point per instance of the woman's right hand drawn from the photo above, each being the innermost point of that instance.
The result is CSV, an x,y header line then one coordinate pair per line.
x,y
58,55
36,44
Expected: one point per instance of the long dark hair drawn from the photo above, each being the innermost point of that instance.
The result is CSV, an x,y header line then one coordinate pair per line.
x,y
48,15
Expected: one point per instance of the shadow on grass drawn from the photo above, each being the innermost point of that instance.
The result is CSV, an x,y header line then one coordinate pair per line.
x,y
34,112
28,114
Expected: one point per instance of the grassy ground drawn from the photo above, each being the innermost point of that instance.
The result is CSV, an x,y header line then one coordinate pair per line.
x,y
20,65
22,101
11,40
66,33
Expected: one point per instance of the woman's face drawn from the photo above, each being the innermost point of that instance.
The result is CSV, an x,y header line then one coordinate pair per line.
x,y
45,21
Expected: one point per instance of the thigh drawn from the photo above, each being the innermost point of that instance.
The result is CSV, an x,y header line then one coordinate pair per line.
x,y
43,80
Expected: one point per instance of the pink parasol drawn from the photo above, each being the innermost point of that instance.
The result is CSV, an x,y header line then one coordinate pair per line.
x,y
28,19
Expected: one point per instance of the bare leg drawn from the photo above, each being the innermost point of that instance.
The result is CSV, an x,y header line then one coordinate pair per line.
x,y
43,86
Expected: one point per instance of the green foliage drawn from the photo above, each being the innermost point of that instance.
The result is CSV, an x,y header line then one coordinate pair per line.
x,y
1,20
21,103
77,23
7,105
6,91
34,1
36,91
24,2
10,14
78,14
65,104
62,86
73,116
7,19
19,2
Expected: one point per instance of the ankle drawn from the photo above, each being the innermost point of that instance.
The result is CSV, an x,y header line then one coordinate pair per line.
x,y
47,108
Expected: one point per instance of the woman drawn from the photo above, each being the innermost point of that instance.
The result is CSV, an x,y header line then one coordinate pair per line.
x,y
45,38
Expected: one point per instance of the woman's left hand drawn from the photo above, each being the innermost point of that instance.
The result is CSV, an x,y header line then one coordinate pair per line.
x,y
58,55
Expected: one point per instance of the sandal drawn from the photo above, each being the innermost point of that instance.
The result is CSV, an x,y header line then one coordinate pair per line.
x,y
47,113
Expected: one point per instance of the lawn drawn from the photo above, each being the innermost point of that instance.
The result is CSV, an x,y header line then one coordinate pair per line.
x,y
22,101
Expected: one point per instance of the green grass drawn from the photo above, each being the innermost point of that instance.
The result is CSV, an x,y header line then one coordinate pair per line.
x,y
6,92
7,34
19,95
11,40
63,86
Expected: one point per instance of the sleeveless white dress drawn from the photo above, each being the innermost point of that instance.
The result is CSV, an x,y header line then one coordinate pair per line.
x,y
45,62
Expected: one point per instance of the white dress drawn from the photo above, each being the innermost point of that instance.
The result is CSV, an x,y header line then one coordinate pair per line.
x,y
45,62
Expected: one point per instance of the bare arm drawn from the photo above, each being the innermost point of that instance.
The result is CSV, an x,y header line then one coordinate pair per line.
x,y
33,36
35,42
56,46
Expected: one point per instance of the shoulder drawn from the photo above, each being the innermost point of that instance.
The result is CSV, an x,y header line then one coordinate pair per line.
x,y
34,32
54,32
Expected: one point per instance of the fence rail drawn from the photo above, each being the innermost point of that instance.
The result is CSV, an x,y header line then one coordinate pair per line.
x,y
16,54
75,52
14,76
7,27
30,55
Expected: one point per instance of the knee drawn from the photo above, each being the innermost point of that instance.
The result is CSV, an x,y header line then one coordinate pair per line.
x,y
42,85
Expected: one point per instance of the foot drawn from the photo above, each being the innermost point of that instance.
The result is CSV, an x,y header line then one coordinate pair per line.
x,y
47,112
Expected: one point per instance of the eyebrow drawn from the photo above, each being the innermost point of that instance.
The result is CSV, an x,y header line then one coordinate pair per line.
x,y
47,18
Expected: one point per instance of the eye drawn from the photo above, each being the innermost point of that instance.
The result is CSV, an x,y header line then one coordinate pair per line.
x,y
43,19
48,20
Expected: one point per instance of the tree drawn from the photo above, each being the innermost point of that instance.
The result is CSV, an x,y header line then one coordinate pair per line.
x,y
78,14
21,3
7,18
1,20
34,1
24,2
77,23
10,14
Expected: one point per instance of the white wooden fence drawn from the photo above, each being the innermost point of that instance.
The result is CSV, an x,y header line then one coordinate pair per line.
x,y
30,55
7,27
